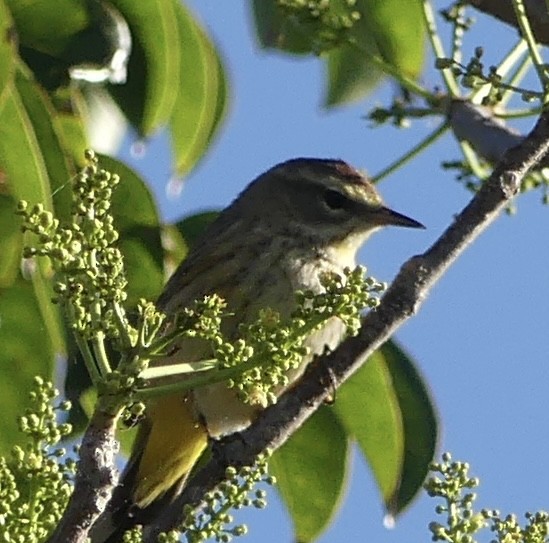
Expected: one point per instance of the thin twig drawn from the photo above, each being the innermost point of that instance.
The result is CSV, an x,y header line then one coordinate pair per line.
x,y
412,153
438,49
524,25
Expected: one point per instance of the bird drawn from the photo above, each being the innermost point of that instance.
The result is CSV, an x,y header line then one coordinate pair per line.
x,y
296,221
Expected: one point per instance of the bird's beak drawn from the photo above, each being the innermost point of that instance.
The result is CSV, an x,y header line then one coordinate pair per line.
x,y
383,216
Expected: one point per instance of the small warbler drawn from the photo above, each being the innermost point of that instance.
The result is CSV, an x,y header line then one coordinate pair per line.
x,y
296,221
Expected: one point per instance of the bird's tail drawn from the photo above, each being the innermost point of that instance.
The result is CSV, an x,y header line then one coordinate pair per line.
x,y
168,445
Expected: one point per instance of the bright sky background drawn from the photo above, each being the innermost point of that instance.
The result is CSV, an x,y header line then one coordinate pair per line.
x,y
481,339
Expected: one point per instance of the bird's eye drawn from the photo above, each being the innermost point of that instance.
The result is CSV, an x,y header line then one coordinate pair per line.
x,y
335,200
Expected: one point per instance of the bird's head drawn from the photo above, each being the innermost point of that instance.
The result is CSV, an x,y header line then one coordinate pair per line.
x,y
326,201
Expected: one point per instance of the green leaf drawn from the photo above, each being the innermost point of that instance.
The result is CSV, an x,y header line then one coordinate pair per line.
x,y
148,97
368,408
192,227
59,166
398,30
71,110
350,72
175,248
201,96
311,470
420,424
48,30
20,154
11,241
8,49
385,406
26,351
26,172
389,29
392,30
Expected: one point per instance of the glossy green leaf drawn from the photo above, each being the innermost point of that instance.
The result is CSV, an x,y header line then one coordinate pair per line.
x,y
398,30
368,408
22,162
48,30
389,29
11,241
311,469
420,424
275,31
8,49
143,269
26,174
201,95
350,73
71,111
385,406
148,97
26,351
59,166
192,227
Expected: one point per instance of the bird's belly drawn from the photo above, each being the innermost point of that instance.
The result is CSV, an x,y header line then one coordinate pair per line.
x,y
218,406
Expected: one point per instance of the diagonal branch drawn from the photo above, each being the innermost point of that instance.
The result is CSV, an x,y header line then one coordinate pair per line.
x,y
402,300
96,477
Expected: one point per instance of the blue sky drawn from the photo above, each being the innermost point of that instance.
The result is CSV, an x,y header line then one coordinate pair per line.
x,y
480,339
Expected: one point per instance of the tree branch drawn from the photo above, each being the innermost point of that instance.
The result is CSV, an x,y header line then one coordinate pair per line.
x,y
489,137
503,10
95,480
402,300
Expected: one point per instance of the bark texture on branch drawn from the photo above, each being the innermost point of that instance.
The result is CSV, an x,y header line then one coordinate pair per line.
x,y
95,480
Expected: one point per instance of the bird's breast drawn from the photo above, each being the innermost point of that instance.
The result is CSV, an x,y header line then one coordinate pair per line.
x,y
266,283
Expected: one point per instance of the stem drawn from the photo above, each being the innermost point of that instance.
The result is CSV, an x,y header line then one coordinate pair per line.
x,y
101,358
518,113
471,158
517,76
503,69
412,153
512,57
158,372
524,24
95,479
50,315
88,357
83,347
208,376
457,35
123,326
438,49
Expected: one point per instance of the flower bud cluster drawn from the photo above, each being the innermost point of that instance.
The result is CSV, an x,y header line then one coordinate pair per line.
x,y
236,492
451,482
91,277
327,24
275,347
35,483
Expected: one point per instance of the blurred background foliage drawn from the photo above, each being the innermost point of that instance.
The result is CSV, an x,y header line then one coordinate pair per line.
x,y
79,76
